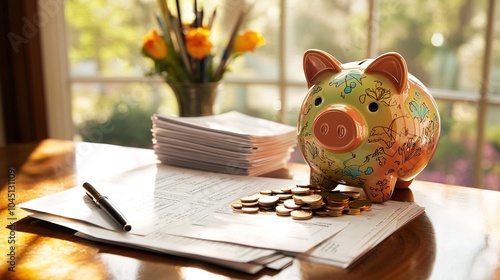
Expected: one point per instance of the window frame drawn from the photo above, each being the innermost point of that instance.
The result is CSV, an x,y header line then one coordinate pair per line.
x,y
58,81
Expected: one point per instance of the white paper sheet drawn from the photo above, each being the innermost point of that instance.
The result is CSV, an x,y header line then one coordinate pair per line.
x,y
232,124
225,254
168,200
231,143
168,205
264,231
155,197
363,233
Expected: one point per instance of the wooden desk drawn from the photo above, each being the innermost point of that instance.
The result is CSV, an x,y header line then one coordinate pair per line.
x,y
457,238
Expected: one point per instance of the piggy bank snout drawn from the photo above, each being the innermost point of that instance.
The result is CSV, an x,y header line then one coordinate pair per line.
x,y
339,129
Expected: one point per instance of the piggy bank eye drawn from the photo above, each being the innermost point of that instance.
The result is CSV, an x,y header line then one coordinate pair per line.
x,y
373,107
318,101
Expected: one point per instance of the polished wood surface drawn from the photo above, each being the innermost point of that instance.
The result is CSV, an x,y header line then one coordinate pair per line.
x,y
458,237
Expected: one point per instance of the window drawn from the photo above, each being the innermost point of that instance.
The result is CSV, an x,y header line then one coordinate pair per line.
x,y
448,44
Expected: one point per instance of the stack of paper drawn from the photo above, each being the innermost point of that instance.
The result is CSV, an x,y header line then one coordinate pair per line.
x,y
187,213
231,143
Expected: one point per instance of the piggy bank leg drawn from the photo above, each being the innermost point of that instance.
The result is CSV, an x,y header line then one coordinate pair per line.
x,y
401,184
380,190
318,179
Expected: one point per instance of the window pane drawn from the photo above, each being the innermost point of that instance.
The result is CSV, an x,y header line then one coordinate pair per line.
x,y
295,96
491,150
495,71
105,37
442,41
453,161
262,101
491,160
337,27
108,112
263,63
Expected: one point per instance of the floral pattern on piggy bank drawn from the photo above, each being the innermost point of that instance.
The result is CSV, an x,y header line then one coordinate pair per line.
x,y
367,124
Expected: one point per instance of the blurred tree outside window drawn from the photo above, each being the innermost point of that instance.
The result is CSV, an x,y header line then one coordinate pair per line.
x,y
442,41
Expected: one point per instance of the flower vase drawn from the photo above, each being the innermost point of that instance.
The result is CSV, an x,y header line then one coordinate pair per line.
x,y
195,100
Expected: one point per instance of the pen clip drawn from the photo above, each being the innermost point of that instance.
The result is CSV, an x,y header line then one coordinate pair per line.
x,y
93,199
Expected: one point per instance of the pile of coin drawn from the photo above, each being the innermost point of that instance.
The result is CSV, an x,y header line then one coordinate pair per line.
x,y
302,202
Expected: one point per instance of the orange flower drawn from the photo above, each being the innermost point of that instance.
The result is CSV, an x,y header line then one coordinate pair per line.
x,y
248,41
197,43
154,45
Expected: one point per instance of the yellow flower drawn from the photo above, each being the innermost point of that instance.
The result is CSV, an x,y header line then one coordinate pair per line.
x,y
248,41
154,45
197,43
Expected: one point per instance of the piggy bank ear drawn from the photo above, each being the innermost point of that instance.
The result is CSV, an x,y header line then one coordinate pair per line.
x,y
317,62
393,67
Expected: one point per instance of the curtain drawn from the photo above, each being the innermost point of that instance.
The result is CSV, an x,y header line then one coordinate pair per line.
x,y
21,76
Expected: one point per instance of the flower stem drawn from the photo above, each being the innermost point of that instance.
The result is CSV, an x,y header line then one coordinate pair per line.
x,y
227,51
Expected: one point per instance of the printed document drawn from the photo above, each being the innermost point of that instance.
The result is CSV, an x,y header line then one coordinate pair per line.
x,y
187,213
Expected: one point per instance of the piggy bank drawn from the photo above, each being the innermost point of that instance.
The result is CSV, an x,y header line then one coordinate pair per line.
x,y
367,124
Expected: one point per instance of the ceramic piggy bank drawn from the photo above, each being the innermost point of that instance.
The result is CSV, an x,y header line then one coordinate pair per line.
x,y
367,124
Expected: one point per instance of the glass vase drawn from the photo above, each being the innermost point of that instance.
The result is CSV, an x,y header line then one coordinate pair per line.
x,y
196,100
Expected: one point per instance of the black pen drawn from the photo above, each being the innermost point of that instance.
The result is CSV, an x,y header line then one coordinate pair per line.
x,y
103,202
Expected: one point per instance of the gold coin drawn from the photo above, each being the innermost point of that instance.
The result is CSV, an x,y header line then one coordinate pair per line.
x,y
335,214
352,211
337,204
250,210
268,200
300,190
319,203
297,200
301,214
236,205
352,194
321,213
333,208
283,210
311,206
250,204
267,208
247,199
287,189
312,198
363,204
337,197
283,196
303,202
290,204
282,214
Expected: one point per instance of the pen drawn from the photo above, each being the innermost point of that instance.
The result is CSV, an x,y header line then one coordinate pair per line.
x,y
105,204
